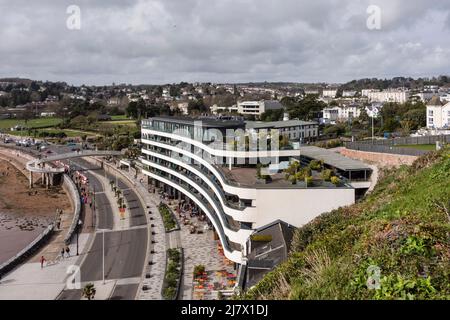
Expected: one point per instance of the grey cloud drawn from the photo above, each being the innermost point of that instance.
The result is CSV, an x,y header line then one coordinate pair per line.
x,y
160,41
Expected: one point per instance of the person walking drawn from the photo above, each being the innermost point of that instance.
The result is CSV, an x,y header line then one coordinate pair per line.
x,y
62,252
42,261
68,251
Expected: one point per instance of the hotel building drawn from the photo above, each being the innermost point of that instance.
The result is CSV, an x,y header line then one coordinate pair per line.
x,y
213,164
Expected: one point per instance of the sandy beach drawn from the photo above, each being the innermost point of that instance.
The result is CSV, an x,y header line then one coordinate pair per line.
x,y
24,213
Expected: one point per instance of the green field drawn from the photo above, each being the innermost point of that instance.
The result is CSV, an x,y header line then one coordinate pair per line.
x,y
69,132
129,123
425,147
34,123
119,118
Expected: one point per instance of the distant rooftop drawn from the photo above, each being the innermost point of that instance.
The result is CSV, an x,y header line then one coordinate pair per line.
x,y
277,124
435,101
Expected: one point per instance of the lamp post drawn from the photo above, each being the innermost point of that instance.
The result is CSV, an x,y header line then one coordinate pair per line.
x,y
103,252
78,232
93,207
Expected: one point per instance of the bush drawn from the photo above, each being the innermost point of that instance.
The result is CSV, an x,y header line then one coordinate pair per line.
x,y
261,238
308,181
335,180
168,219
199,270
169,293
327,174
172,274
316,165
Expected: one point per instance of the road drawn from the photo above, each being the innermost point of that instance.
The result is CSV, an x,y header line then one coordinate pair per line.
x,y
125,250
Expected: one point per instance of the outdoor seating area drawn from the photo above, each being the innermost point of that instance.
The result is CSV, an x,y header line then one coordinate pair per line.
x,y
211,285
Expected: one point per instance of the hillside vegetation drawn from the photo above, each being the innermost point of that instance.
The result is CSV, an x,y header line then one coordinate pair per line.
x,y
402,228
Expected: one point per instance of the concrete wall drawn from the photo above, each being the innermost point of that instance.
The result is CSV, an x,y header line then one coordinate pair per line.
x,y
299,206
380,159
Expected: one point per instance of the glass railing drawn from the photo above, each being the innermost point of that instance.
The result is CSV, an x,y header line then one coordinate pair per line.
x,y
186,189
232,224
218,145
208,174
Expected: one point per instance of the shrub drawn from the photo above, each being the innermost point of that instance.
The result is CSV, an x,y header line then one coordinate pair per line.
x,y
168,219
316,165
199,269
169,293
308,181
327,174
261,238
335,180
172,274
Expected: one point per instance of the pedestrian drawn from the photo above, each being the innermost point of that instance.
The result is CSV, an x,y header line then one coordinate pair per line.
x,y
58,224
62,252
42,261
68,251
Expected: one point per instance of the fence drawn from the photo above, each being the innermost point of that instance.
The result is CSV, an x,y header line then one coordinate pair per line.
x,y
391,145
73,194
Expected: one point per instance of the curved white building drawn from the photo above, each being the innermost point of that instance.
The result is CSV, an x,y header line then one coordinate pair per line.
x,y
202,161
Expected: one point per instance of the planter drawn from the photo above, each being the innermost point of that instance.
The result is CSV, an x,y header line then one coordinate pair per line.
x,y
169,220
173,275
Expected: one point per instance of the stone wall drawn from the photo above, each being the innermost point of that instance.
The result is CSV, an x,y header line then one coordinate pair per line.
x,y
379,159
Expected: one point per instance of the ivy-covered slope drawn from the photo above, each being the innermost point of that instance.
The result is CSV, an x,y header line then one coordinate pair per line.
x,y
401,230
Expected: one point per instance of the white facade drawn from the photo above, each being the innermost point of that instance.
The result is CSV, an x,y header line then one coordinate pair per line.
x,y
341,113
215,109
438,117
329,93
257,107
398,96
348,93
293,129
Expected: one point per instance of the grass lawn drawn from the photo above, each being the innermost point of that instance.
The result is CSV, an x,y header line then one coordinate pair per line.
x,y
129,123
69,132
118,118
34,123
425,147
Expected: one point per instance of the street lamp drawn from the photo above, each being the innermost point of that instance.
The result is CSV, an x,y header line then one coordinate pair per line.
x,y
78,232
103,251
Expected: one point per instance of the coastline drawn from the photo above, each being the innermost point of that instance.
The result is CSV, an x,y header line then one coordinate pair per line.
x,y
24,214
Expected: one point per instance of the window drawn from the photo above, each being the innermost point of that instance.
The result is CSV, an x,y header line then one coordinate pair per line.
x,y
430,113
430,120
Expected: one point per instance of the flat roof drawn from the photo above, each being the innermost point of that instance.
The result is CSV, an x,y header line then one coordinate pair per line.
x,y
206,121
333,159
277,124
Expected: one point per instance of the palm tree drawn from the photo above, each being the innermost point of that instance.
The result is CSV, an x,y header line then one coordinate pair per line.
x,y
89,291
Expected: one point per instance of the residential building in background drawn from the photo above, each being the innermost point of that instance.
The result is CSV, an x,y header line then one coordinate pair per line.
x,y
293,129
398,96
438,114
341,113
257,108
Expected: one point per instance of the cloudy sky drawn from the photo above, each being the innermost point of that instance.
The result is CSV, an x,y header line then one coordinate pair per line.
x,y
165,41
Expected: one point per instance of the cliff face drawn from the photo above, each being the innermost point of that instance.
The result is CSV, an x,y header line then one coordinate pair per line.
x,y
395,244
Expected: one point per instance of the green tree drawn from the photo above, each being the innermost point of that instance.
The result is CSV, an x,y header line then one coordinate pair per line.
x,y
89,291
